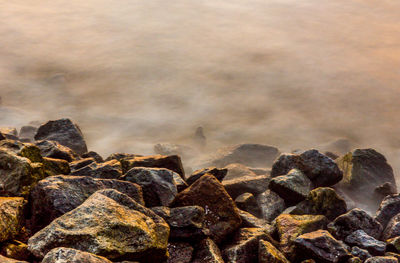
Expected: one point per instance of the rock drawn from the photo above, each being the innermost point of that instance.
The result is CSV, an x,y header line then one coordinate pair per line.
x,y
360,253
55,166
175,149
108,224
391,254
322,246
120,156
65,133
222,215
93,155
244,248
70,255
217,172
384,190
2,137
267,253
390,206
207,252
179,182
15,250
27,150
186,223
107,170
250,221
271,205
171,162
248,203
382,260
179,252
354,220
57,195
393,244
237,170
10,260
79,164
293,187
289,227
11,216
55,150
322,201
364,170
28,133
363,240
393,228
255,185
9,133
159,188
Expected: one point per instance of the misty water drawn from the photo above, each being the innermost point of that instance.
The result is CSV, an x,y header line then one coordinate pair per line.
x,y
293,74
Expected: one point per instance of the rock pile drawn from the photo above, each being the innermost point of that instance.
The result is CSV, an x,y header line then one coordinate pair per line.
x,y
61,203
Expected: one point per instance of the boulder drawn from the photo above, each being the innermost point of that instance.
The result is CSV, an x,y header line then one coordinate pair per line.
x,y
355,219
222,215
107,170
70,255
362,240
108,224
322,246
55,166
158,184
56,195
179,252
97,157
382,260
267,253
362,254
250,221
392,229
207,251
389,207
248,203
65,133
11,216
249,184
53,149
217,172
271,205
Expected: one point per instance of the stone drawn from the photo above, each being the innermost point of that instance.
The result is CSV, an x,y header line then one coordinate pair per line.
x,y
383,190
393,244
179,182
363,240
56,195
16,250
248,203
65,133
9,133
382,260
389,207
322,246
362,254
53,149
250,221
179,252
353,220
222,215
293,187
207,251
107,170
108,224
392,229
10,260
11,216
322,201
120,156
158,185
271,205
70,255
217,172
55,166
237,170
97,157
254,184
171,162
267,253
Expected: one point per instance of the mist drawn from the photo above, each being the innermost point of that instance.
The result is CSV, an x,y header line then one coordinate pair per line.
x,y
293,74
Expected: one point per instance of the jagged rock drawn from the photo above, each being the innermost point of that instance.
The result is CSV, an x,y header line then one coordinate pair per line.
x,y
289,227
244,247
320,169
363,254
56,195
382,260
70,255
322,246
222,215
171,162
107,170
9,133
293,187
109,224
248,203
55,166
120,156
248,220
179,252
10,260
363,240
217,172
97,157
65,133
237,170
393,244
391,254
79,164
354,220
158,184
2,137
267,253
185,222
364,170
53,149
393,228
28,133
354,260
271,205
11,215
322,201
390,206
207,251
16,250
254,184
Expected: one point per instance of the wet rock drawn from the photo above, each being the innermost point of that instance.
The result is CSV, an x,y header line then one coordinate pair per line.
x,y
363,240
217,172
159,188
322,201
248,203
57,195
355,219
97,157
171,162
53,149
107,170
179,252
207,251
28,133
254,184
320,245
364,170
65,133
109,224
267,253
237,170
11,216
363,254
390,206
382,260
63,254
10,260
15,250
271,205
393,228
222,215
293,187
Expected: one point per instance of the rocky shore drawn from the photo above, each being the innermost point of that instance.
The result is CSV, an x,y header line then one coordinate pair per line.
x,y
60,202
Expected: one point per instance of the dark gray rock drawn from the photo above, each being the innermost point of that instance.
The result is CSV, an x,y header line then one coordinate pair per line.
x,y
255,185
107,170
393,228
70,255
268,253
382,260
207,251
390,206
120,156
97,157
248,203
217,172
250,221
362,254
53,149
179,252
271,205
363,240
